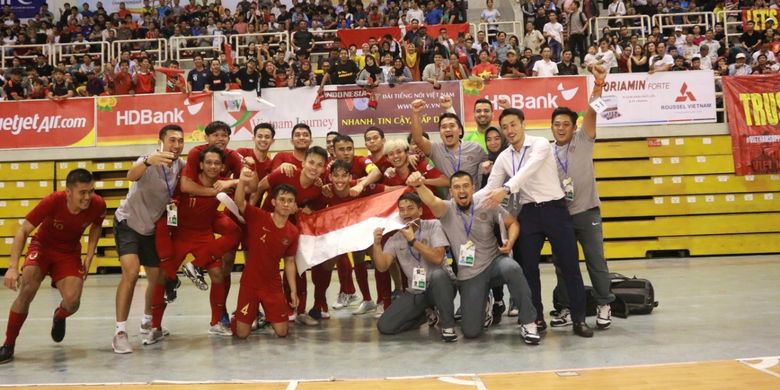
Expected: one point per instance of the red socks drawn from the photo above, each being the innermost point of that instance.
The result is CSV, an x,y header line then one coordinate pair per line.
x,y
361,274
158,305
15,322
60,313
217,301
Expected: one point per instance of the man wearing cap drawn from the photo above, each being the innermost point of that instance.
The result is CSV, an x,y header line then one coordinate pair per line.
x,y
740,68
512,67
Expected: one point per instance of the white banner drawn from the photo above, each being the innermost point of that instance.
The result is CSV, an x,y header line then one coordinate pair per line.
x,y
282,107
639,99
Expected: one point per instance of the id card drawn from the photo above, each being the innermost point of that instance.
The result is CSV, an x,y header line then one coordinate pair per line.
x,y
568,188
467,252
173,216
598,105
418,278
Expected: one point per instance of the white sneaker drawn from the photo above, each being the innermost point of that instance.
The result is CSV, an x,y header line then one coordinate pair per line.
x,y
563,319
365,307
530,333
194,274
121,343
147,327
488,312
291,318
219,329
380,309
352,298
305,319
603,316
341,301
153,337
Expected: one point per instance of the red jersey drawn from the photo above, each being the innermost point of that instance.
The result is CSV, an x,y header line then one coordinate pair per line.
x,y
262,168
233,163
424,166
285,157
196,212
360,165
383,163
303,195
123,83
144,82
59,229
370,189
174,79
266,245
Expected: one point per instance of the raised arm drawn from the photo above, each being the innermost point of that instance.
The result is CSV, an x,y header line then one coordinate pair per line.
x,y
417,131
589,122
382,259
437,206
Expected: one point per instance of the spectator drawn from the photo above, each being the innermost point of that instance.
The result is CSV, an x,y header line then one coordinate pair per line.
x,y
704,58
689,49
696,63
434,15
42,67
13,86
455,70
216,78
616,9
766,52
490,15
144,79
540,19
304,76
750,39
302,38
638,61
679,64
247,77
412,61
567,65
400,73
434,72
485,69
501,47
660,62
740,67
197,78
512,67
39,89
545,67
415,13
122,82
344,71
606,56
533,39
553,32
713,45
578,31
371,75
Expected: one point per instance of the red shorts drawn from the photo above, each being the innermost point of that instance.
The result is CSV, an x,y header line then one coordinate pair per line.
x,y
195,244
58,265
273,301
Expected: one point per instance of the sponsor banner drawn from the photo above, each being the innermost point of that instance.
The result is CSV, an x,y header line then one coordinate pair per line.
x,y
760,17
753,104
282,107
47,123
360,36
25,9
536,96
637,99
394,107
128,120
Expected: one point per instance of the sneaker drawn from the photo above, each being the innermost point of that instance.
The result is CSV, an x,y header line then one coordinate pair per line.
x,y
541,326
458,315
365,307
192,272
341,301
433,317
153,337
514,311
291,318
146,327
225,320
603,316
170,289
58,330
530,333
6,354
582,329
315,313
121,343
380,309
563,319
259,322
488,312
498,311
306,320
219,329
449,335
325,315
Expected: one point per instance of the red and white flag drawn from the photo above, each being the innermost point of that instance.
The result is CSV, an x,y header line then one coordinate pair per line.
x,y
345,228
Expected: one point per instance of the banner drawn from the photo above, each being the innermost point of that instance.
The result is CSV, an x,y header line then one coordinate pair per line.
x,y
394,107
753,105
47,123
360,36
637,99
536,96
25,9
282,107
129,120
760,17
452,30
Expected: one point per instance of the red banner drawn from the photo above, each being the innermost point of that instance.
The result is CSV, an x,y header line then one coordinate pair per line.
x,y
452,30
47,123
127,120
393,108
753,104
360,36
760,17
536,96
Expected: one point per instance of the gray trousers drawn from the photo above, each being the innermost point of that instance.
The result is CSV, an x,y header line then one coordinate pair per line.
x,y
587,229
408,310
474,293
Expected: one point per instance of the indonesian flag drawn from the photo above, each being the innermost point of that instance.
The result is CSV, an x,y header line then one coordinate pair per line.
x,y
345,228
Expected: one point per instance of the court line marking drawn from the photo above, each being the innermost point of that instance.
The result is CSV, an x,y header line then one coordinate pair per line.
x,y
292,385
763,364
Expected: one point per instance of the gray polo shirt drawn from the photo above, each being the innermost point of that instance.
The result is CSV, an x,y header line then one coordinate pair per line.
x,y
575,160
467,158
455,222
431,234
148,196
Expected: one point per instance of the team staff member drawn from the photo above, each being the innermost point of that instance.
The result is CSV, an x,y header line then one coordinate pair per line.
x,y
482,263
55,250
574,155
154,177
270,237
419,249
527,171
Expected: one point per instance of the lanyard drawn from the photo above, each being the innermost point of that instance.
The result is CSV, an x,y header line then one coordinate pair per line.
x,y
452,162
467,228
167,184
563,163
417,237
516,168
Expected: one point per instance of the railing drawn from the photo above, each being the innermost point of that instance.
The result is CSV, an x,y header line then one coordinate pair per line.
x,y
516,28
158,46
241,42
598,23
732,25
185,48
707,20
8,52
102,50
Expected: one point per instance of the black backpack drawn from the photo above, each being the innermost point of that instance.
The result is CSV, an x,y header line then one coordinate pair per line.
x,y
632,295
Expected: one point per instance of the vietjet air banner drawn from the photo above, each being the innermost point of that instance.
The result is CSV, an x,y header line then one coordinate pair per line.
x,y
753,105
638,99
129,120
47,123
536,96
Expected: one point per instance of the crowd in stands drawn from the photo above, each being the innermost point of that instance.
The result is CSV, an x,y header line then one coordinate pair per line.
x,y
556,41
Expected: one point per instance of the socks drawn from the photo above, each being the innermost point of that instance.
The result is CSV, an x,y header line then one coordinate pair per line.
x,y
15,322
60,313
361,274
121,327
158,305
217,301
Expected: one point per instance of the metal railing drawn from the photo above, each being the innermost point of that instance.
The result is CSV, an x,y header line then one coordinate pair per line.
x,y
732,25
156,46
185,48
597,24
516,28
664,21
240,42
9,52
101,50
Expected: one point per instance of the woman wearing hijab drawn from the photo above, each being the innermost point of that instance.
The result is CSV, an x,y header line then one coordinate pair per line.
x,y
371,75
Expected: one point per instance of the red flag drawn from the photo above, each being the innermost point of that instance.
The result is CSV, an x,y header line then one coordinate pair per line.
x,y
228,54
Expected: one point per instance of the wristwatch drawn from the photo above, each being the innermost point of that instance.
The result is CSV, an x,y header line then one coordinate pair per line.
x,y
146,161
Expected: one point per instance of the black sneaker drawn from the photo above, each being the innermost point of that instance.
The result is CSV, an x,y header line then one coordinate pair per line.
x,y
458,315
488,312
58,330
541,326
6,354
582,329
170,289
315,313
498,311
449,335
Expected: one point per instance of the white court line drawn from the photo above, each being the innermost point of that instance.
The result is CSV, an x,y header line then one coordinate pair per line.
x,y
293,385
477,382
763,365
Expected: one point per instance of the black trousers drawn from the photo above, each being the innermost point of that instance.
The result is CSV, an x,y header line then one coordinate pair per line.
x,y
578,46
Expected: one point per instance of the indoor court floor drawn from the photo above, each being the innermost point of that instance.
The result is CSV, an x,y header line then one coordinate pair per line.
x,y
716,327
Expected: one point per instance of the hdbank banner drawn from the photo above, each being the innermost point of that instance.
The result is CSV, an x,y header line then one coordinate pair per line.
x,y
130,120
393,109
282,107
47,123
636,99
536,96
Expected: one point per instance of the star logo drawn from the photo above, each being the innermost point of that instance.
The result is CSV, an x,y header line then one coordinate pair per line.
x,y
236,108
